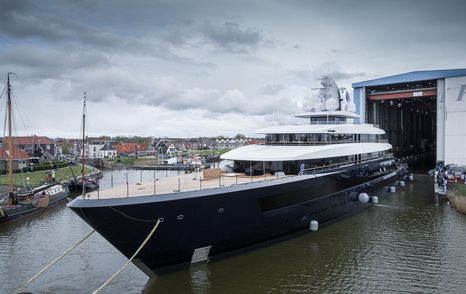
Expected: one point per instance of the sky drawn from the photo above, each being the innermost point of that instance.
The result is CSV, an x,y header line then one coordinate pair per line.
x,y
207,68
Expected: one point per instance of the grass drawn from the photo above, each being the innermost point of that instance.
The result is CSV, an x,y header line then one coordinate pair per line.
x,y
459,188
37,178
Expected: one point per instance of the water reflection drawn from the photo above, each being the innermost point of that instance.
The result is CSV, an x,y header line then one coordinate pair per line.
x,y
404,244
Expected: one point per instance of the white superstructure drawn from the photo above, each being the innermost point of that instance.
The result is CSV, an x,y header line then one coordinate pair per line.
x,y
330,137
313,141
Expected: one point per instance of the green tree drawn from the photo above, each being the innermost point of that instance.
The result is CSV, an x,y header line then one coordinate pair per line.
x,y
64,148
240,136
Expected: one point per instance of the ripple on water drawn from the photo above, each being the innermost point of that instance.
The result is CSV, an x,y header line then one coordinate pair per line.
x,y
405,245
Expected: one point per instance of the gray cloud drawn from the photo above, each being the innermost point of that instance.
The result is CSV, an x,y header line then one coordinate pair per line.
x,y
212,60
329,68
272,89
232,37
37,62
18,21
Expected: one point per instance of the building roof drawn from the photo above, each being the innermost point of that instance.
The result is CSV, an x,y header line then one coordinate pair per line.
x,y
28,140
143,147
107,147
125,147
17,154
413,76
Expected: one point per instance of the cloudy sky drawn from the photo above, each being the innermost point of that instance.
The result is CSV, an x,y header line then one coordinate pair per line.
x,y
207,68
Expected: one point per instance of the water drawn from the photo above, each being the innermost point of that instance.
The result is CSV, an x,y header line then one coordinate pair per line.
x,y
404,244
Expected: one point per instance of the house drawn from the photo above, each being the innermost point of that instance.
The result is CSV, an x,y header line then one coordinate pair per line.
x,y
230,143
74,147
20,159
93,149
161,147
150,151
107,151
35,146
126,149
172,148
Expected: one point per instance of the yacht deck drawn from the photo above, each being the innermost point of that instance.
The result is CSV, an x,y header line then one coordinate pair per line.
x,y
181,183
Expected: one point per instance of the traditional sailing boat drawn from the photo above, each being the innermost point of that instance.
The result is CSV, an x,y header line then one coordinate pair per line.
x,y
17,203
84,184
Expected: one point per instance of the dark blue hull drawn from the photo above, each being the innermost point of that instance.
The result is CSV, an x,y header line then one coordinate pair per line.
x,y
215,223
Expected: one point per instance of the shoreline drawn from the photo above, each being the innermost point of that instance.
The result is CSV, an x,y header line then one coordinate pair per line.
x,y
457,200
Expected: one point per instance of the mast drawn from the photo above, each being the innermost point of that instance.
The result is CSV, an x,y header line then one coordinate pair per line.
x,y
84,137
10,149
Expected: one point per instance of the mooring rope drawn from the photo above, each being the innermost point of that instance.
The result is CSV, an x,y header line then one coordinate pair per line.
x,y
55,260
129,260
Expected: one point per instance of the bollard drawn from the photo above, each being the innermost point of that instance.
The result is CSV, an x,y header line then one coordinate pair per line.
x,y
375,199
402,183
314,225
436,199
363,198
392,189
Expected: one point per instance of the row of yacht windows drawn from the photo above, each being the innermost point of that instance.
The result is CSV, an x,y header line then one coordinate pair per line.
x,y
324,120
322,138
294,167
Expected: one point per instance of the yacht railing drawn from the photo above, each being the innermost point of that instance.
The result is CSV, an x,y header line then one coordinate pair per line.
x,y
176,183
148,185
298,143
328,167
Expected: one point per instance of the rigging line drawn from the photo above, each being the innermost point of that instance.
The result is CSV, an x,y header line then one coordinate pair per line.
x,y
55,261
3,92
19,180
17,109
130,217
131,259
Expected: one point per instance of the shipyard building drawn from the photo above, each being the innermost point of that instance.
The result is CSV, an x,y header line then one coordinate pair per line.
x,y
422,112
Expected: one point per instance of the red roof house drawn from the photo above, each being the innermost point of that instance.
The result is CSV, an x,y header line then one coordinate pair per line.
x,y
126,148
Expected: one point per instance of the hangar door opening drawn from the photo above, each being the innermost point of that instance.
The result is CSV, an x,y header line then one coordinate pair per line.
x,y
407,113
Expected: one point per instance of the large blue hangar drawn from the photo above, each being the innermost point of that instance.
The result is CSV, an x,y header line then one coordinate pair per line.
x,y
421,111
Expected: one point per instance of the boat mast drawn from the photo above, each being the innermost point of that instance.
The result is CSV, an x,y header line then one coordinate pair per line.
x,y
10,153
84,134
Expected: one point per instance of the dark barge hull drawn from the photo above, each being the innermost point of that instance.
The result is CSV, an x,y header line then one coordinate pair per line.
x,y
213,223
28,209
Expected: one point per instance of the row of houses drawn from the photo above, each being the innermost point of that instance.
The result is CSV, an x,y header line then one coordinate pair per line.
x,y
38,149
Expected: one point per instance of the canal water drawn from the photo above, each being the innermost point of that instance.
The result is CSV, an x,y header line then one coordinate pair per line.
x,y
404,244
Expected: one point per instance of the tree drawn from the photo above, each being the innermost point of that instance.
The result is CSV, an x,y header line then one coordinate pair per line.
x,y
64,147
240,136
